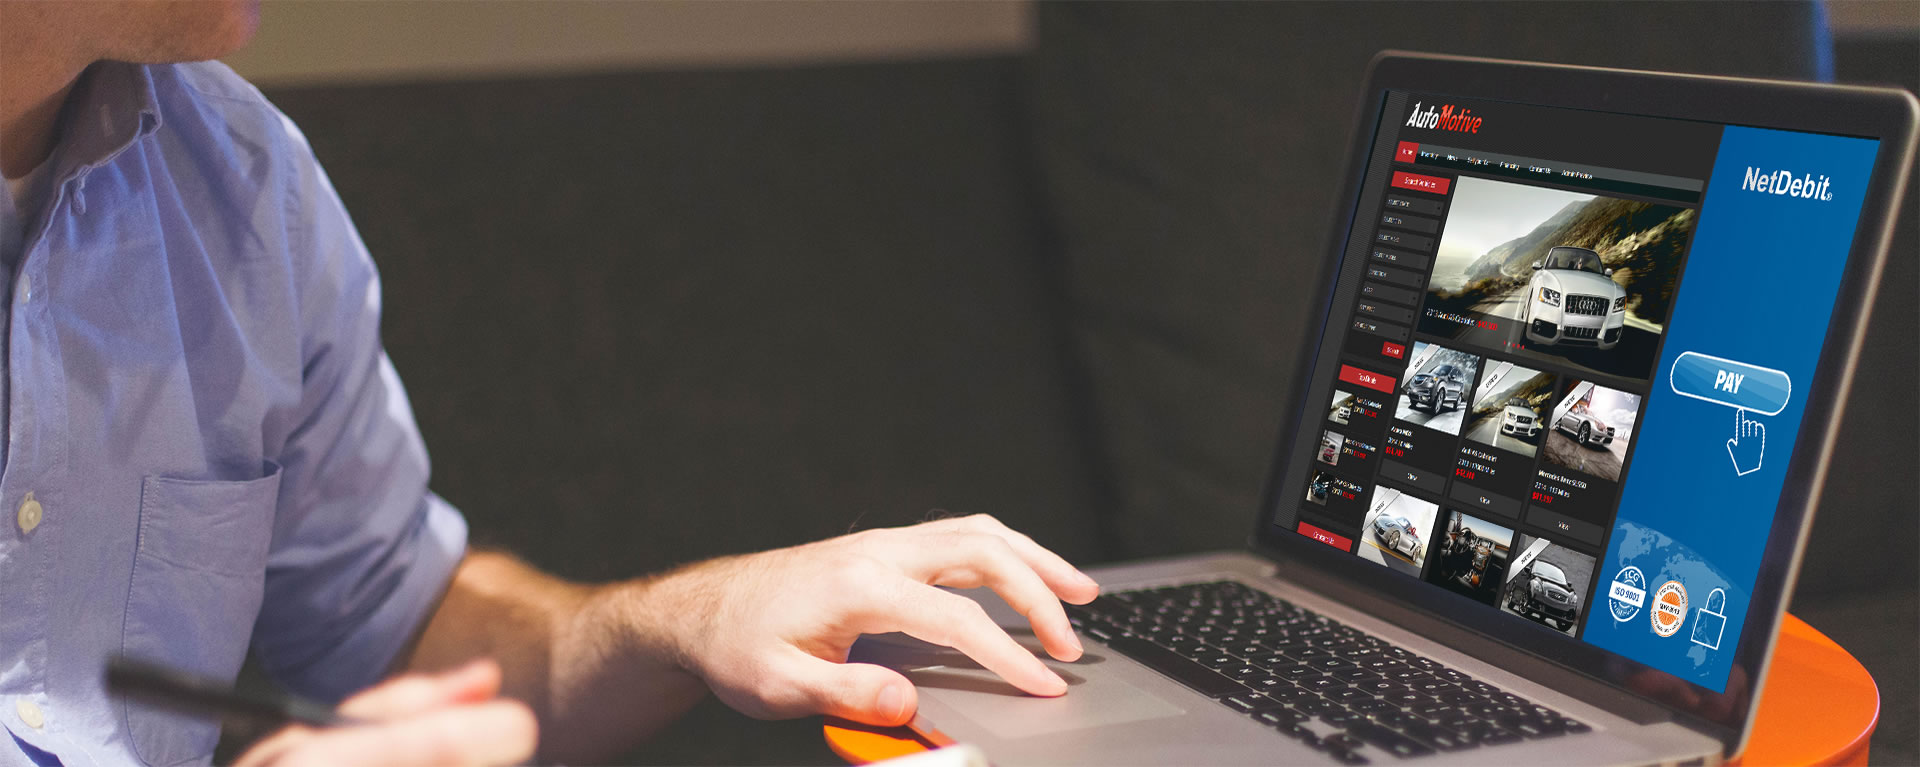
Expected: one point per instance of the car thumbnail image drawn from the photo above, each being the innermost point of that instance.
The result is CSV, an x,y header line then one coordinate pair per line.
x,y
1590,428
1394,533
1342,408
1557,276
1508,408
1547,584
1320,487
1471,557
1435,390
1330,443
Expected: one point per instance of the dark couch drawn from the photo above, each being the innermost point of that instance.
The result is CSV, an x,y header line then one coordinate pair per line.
x,y
651,317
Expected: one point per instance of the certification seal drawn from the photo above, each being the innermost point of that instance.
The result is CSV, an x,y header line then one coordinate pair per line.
x,y
1669,608
1628,594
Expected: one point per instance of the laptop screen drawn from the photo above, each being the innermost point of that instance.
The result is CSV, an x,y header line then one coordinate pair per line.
x,y
1566,364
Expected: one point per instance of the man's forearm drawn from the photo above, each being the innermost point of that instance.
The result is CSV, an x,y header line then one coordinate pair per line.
x,y
596,669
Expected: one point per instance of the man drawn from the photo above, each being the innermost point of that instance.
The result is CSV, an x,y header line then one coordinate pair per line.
x,y
207,454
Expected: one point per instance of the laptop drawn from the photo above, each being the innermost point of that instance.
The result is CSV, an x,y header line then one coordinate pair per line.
x,y
1587,337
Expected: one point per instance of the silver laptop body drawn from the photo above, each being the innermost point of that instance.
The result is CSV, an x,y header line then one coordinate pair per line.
x,y
1641,707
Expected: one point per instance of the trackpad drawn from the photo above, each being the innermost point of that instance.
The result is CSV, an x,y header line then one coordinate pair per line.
x,y
1092,699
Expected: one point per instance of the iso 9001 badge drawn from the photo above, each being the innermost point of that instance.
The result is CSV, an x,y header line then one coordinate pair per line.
x,y
1628,593
1669,608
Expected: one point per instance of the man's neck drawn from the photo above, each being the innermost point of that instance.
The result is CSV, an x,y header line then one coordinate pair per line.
x,y
33,86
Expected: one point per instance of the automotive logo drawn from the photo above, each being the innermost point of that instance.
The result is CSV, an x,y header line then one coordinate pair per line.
x,y
1783,183
1447,118
1669,608
1628,594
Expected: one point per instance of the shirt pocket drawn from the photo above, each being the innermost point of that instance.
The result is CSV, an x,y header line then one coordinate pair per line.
x,y
199,570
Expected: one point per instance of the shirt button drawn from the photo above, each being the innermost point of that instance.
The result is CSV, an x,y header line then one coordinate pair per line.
x,y
29,713
30,514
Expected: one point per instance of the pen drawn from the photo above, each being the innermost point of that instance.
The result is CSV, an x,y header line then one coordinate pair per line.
x,y
190,693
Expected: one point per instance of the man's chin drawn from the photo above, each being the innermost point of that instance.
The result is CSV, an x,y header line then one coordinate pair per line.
x,y
194,30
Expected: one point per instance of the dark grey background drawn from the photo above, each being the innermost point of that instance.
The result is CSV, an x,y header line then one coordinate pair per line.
x,y
652,317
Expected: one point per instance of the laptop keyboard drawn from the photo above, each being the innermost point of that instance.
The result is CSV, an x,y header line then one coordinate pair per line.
x,y
1314,679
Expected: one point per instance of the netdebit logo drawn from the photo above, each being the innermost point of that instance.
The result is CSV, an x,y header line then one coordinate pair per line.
x,y
1444,118
1783,182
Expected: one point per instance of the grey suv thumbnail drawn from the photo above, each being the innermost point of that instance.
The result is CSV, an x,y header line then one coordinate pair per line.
x,y
1436,390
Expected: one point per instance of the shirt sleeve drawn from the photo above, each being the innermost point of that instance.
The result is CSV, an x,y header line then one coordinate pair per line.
x,y
362,550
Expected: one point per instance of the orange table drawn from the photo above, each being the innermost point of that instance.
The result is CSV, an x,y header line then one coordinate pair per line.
x,y
1819,708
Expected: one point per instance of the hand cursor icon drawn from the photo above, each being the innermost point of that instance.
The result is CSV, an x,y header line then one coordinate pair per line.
x,y
1749,443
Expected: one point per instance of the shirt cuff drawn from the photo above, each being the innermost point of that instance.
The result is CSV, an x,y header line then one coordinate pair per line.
x,y
367,655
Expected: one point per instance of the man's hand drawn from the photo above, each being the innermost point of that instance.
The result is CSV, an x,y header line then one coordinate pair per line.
x,y
453,719
770,632
604,666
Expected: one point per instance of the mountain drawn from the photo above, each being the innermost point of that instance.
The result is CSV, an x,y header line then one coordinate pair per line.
x,y
1497,261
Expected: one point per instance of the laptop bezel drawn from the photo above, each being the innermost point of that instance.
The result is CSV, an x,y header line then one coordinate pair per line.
x,y
1883,114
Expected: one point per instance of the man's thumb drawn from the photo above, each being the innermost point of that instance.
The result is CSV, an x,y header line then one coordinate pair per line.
x,y
861,692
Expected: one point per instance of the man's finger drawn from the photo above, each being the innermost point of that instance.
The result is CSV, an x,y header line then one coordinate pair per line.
x,y
414,693
946,618
500,732
1066,580
861,692
971,560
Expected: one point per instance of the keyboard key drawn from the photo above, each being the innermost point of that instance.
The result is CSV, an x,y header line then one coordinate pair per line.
x,y
1374,706
1182,670
1247,703
1314,706
1330,663
1243,673
1440,738
1388,740
1279,717
1341,719
1248,650
1346,695
1396,718
1353,675
1499,736
1291,695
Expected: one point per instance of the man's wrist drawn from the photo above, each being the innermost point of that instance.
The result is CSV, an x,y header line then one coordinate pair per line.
x,y
666,618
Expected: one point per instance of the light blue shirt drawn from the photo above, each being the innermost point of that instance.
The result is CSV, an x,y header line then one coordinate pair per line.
x,y
207,450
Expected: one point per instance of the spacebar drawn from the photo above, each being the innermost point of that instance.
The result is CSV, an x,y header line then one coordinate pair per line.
x,y
1183,670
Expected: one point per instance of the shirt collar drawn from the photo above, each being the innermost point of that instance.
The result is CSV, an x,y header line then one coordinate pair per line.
x,y
112,106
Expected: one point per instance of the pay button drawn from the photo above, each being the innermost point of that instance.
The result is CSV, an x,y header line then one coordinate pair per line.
x,y
1734,384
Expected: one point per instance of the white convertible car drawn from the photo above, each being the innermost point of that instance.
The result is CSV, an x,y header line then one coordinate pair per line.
x,y
1572,299
1519,420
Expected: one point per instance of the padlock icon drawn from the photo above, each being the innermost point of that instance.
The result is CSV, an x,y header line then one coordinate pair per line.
x,y
1711,620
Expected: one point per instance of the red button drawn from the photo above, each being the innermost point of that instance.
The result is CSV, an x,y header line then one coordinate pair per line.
x,y
1409,152
1392,349
1371,380
1335,540
1419,183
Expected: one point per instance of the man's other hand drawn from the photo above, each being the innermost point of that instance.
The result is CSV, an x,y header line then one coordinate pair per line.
x,y
770,632
455,719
